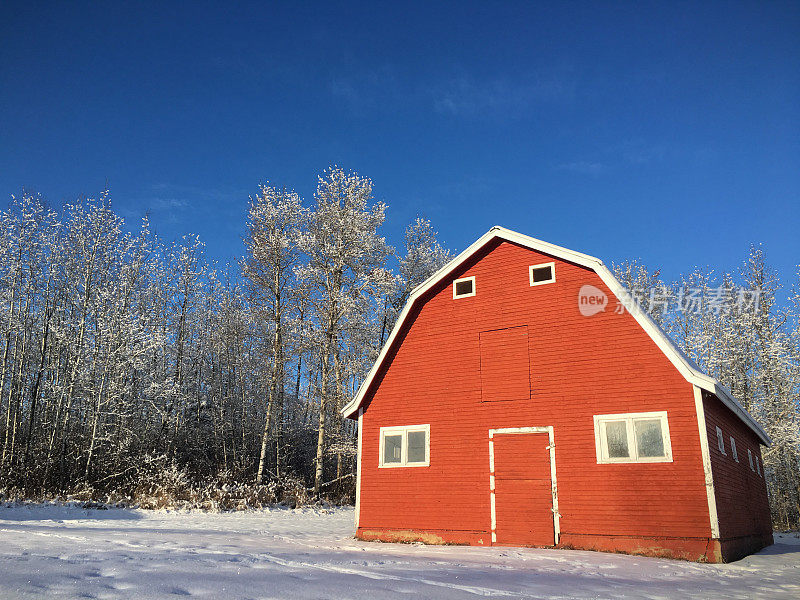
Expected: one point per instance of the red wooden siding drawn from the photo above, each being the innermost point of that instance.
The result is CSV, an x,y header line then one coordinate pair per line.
x,y
579,367
741,494
505,364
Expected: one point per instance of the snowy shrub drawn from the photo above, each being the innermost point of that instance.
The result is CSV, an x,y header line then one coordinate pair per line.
x,y
293,492
84,492
164,486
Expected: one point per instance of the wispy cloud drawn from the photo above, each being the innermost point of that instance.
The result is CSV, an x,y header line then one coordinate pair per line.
x,y
583,167
346,90
168,203
172,203
471,186
453,92
637,151
366,88
631,153
468,96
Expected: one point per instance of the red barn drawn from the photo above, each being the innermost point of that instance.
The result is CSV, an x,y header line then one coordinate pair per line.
x,y
516,403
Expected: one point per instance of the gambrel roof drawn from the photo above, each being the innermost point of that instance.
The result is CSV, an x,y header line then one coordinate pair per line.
x,y
690,371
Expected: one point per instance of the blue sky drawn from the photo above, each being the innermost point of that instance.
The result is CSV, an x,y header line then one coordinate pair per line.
x,y
664,131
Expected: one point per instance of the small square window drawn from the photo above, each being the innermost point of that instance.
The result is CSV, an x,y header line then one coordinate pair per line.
x,y
632,437
720,441
733,450
544,273
750,458
407,446
464,287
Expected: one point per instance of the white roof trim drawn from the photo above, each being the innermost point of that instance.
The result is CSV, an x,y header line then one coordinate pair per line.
x,y
683,363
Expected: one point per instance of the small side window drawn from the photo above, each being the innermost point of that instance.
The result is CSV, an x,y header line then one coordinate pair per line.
x,y
720,441
464,287
544,273
733,450
750,457
407,446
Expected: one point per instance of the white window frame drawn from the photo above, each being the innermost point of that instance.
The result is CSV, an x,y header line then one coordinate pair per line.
x,y
457,281
404,430
552,266
601,444
758,467
750,457
721,442
733,450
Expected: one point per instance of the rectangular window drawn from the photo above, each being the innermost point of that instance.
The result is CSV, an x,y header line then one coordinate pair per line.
x,y
758,467
750,457
632,437
544,273
720,441
733,450
407,446
464,287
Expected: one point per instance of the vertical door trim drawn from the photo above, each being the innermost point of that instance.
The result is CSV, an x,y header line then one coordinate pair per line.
x,y
553,482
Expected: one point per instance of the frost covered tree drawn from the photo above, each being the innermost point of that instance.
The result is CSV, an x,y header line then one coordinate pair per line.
x,y
424,255
345,257
734,328
275,221
649,292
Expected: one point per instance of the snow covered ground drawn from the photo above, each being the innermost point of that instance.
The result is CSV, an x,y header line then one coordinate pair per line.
x,y
70,552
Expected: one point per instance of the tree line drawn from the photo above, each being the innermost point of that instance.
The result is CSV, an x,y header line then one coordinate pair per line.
x,y
125,359
734,327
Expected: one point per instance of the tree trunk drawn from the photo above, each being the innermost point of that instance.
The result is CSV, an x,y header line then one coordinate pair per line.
x,y
323,406
96,420
337,370
270,401
5,369
65,400
37,383
16,389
